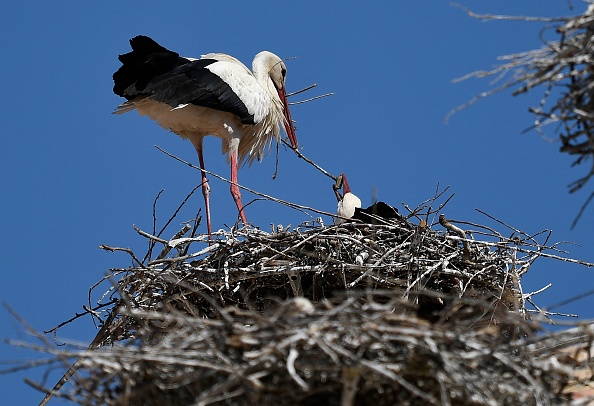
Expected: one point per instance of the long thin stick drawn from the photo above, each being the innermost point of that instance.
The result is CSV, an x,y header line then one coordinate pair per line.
x,y
97,341
268,197
312,98
302,90
309,161
487,17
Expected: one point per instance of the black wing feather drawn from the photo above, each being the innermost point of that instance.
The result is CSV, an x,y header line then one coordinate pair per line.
x,y
379,209
153,71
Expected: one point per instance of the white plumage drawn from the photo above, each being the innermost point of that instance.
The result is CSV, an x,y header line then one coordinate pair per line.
x,y
346,207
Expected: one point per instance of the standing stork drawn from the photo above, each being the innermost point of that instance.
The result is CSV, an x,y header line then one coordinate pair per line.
x,y
213,95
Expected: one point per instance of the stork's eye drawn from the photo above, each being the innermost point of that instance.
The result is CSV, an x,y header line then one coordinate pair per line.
x,y
283,72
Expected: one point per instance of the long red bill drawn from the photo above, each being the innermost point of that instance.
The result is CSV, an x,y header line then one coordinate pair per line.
x,y
289,128
345,185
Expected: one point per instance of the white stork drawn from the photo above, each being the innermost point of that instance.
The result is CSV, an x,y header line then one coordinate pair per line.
x,y
347,203
214,95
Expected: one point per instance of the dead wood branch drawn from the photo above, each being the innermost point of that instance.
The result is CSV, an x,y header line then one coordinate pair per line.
x,y
563,68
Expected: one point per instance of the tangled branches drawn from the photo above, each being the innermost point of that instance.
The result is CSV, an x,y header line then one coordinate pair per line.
x,y
564,67
390,313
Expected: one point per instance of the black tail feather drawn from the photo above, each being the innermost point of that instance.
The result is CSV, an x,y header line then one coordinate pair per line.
x,y
147,60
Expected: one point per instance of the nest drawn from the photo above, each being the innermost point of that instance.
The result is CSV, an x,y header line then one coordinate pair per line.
x,y
390,313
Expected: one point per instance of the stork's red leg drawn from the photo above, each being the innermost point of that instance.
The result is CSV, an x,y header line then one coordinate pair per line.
x,y
205,189
234,186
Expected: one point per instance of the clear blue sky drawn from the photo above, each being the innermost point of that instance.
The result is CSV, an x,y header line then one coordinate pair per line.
x,y
74,176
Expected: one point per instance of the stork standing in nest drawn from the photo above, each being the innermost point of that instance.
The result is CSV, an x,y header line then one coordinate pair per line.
x,y
213,95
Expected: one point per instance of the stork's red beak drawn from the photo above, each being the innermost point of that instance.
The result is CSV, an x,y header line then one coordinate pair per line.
x,y
345,185
289,128
341,182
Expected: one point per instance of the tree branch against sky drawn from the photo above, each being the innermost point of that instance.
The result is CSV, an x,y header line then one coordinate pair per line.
x,y
562,70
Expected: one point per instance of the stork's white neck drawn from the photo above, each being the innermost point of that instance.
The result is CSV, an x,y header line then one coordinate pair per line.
x,y
261,67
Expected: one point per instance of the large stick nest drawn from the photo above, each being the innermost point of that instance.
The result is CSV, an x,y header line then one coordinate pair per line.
x,y
389,313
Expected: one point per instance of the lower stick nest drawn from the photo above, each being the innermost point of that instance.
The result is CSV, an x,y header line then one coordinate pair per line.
x,y
395,313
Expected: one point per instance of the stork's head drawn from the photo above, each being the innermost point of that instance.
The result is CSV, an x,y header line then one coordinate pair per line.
x,y
277,72
347,202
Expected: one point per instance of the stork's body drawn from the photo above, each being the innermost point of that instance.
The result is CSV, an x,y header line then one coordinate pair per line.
x,y
349,206
214,95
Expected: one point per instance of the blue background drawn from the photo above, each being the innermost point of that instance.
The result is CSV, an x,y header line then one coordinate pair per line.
x,y
74,176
